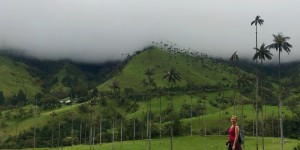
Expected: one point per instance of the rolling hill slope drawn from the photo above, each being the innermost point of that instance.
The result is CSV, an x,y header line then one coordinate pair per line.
x,y
15,76
199,71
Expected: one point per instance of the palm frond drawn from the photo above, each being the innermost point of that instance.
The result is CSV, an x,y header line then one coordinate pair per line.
x,y
257,20
280,43
172,75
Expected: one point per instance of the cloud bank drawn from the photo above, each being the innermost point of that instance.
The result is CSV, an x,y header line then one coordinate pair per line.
x,y
101,30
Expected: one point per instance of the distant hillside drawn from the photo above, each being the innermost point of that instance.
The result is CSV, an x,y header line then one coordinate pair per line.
x,y
46,76
195,69
14,76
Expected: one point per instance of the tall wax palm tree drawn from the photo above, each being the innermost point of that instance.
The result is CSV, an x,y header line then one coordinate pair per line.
x,y
101,97
35,115
256,21
244,81
204,97
159,92
134,119
191,115
219,106
280,44
53,115
149,83
115,87
172,76
234,59
92,125
72,120
262,53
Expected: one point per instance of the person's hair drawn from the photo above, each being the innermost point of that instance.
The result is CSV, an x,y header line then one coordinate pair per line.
x,y
233,116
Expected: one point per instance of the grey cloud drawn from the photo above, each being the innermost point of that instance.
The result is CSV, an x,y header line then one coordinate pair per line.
x,y
100,30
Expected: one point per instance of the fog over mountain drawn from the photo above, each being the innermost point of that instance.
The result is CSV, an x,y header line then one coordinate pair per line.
x,y
101,30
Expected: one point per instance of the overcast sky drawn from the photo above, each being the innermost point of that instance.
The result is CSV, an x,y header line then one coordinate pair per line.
x,y
99,30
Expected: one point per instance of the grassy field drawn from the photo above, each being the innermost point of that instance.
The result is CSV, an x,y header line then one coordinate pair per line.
x,y
189,143
212,114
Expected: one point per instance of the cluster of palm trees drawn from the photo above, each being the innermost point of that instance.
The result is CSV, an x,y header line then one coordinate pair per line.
x,y
280,44
172,76
262,53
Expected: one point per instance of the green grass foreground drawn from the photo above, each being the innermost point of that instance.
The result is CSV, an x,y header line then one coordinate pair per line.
x,y
188,143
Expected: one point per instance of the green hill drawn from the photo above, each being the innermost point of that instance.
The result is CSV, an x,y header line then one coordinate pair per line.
x,y
14,76
68,76
196,70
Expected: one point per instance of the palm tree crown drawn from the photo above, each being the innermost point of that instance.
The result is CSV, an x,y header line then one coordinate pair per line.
x,y
262,53
115,86
172,76
149,72
280,43
234,57
257,20
244,80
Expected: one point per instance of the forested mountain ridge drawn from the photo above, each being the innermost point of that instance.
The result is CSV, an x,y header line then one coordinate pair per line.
x,y
49,76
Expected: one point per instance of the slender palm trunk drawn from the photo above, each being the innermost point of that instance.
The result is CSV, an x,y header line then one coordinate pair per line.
x,y
113,124
263,129
90,136
191,116
171,140
256,115
147,124
219,103
113,134
150,125
80,134
72,126
199,123
143,118
204,124
160,119
52,137
94,133
134,118
253,124
121,120
172,123
121,138
34,137
280,106
273,130
243,118
134,128
58,141
256,99
100,131
265,115
234,92
85,134
262,106
219,124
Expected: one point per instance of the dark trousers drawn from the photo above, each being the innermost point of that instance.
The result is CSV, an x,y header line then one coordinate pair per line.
x,y
237,146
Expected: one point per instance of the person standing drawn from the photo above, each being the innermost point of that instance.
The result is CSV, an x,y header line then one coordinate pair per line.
x,y
234,131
